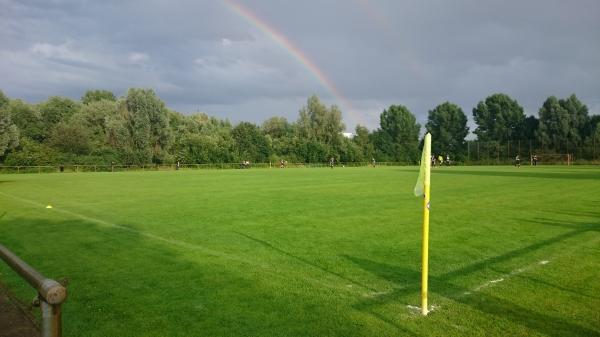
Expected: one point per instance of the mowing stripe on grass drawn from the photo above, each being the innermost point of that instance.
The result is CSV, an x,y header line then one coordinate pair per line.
x,y
265,267
268,268
519,271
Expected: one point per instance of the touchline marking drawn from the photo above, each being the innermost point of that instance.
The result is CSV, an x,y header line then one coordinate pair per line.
x,y
505,277
128,229
266,267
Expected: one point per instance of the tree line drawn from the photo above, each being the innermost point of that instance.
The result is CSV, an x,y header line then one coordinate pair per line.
x,y
138,128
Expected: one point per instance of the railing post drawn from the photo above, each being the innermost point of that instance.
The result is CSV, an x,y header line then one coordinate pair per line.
x,y
51,319
50,293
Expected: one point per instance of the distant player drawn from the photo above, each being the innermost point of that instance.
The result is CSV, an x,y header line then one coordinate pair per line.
x,y
432,160
448,160
373,161
331,162
440,160
517,161
534,160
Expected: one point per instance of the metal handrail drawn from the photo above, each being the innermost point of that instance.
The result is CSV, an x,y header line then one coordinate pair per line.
x,y
229,165
50,293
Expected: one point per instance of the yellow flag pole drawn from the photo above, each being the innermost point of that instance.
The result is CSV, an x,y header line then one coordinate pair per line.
x,y
425,245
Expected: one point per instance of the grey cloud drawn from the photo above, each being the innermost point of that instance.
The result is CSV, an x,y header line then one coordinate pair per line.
x,y
416,53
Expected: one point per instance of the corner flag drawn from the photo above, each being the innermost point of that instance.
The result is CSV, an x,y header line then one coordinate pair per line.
x,y
422,189
425,166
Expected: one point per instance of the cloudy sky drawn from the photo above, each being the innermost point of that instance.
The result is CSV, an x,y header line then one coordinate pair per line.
x,y
253,59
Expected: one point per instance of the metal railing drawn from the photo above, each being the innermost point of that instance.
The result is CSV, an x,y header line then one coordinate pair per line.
x,y
172,167
51,294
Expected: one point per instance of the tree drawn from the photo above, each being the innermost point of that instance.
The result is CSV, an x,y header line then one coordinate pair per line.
x,y
595,129
554,125
276,127
564,123
279,133
448,126
199,138
31,153
57,109
4,100
94,116
72,137
118,137
319,130
350,151
28,119
398,136
97,95
579,121
364,142
498,118
148,122
9,134
250,143
530,127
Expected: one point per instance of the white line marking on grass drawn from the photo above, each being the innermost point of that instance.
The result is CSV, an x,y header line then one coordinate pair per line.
x,y
413,308
131,230
267,268
488,283
417,310
375,294
505,277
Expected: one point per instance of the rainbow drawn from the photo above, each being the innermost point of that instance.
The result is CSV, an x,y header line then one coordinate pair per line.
x,y
296,52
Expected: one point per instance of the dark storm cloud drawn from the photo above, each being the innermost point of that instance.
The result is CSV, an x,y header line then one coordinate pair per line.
x,y
201,55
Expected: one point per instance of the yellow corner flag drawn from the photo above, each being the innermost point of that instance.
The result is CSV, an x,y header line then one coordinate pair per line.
x,y
422,189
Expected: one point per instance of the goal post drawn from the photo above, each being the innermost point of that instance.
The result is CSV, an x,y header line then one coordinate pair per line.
x,y
552,159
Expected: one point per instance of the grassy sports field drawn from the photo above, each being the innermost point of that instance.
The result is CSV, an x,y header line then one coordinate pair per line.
x,y
312,252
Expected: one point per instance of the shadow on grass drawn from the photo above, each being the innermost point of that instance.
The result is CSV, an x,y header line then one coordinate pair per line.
x,y
408,282
311,264
126,283
556,286
123,283
303,260
92,258
522,251
525,174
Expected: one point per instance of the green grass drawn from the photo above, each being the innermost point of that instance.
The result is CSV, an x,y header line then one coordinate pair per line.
x,y
312,252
